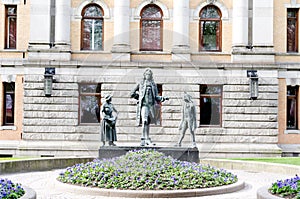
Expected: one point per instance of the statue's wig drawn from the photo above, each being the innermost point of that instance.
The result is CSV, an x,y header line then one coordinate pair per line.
x,y
146,71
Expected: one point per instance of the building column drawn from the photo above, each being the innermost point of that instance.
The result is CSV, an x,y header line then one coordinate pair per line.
x,y
121,46
50,30
239,25
39,24
62,24
263,26
181,23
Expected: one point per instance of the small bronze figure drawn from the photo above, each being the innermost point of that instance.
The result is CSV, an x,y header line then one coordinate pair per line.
x,y
146,93
188,120
108,123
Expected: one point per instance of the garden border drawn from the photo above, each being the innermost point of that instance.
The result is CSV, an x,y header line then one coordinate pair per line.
x,y
40,164
151,193
252,166
29,193
262,193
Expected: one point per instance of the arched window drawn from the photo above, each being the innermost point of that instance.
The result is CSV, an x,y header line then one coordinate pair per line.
x,y
151,28
92,28
210,29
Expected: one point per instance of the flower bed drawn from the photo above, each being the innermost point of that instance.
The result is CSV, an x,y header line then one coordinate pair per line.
x,y
146,170
10,190
288,188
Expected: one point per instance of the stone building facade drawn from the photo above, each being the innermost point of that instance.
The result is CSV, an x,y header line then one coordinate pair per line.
x,y
207,48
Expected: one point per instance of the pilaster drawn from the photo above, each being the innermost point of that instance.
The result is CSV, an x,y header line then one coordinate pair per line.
x,y
121,46
181,48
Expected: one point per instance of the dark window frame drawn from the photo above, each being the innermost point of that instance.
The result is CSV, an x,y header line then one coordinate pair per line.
x,y
82,43
144,19
292,97
219,96
8,44
5,121
218,36
95,94
292,40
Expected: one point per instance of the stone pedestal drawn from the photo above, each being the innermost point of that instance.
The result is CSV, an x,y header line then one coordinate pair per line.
x,y
180,153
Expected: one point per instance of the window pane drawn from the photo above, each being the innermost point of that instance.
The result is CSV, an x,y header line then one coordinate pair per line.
x,y
292,30
89,109
9,101
92,34
151,35
93,11
98,34
87,33
90,102
210,111
11,27
92,28
90,88
209,32
12,31
291,112
151,12
210,89
210,12
292,13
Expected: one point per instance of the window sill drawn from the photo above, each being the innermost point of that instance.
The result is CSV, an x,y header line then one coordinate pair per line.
x,y
292,132
91,52
288,54
12,50
2,128
209,53
150,53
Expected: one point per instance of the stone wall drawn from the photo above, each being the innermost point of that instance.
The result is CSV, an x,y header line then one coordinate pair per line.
x,y
51,123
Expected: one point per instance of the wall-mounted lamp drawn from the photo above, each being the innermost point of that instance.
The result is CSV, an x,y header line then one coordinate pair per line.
x,y
253,83
48,80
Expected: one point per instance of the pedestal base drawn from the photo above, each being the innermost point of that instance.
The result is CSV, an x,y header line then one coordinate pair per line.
x,y
180,153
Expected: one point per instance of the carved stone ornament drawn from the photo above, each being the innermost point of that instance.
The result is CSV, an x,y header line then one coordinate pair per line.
x,y
211,1
151,1
13,2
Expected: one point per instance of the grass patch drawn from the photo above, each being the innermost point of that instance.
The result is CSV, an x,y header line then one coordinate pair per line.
x,y
278,160
17,158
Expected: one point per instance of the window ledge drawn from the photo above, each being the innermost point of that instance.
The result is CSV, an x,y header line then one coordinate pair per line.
x,y
151,53
292,132
12,50
8,128
90,52
209,53
288,54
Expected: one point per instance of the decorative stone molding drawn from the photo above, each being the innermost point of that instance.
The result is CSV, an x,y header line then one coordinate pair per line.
x,y
8,78
163,7
221,6
293,4
292,81
101,3
11,2
211,1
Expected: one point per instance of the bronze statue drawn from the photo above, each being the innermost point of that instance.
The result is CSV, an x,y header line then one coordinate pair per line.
x,y
188,120
108,123
148,106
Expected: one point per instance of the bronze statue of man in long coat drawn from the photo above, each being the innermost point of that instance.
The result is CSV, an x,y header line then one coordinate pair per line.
x,y
148,106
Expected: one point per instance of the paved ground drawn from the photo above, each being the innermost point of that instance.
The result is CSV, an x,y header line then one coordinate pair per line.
x,y
45,185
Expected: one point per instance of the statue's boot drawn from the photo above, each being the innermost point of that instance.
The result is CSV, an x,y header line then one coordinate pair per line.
x,y
194,145
142,142
111,143
193,140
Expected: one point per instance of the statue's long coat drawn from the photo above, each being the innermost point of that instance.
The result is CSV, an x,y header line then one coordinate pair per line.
x,y
154,108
